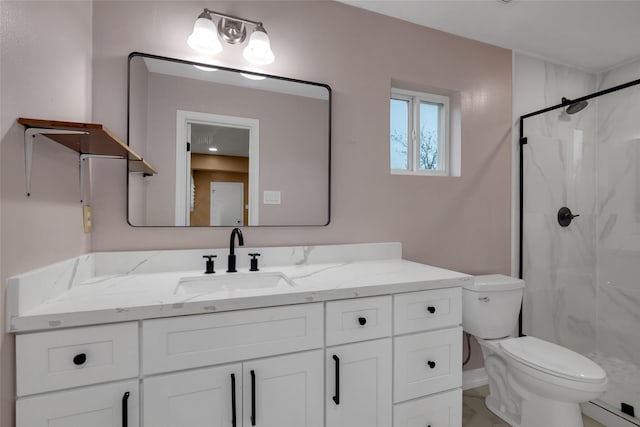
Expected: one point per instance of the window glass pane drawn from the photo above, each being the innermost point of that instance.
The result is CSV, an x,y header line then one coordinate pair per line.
x,y
399,134
429,130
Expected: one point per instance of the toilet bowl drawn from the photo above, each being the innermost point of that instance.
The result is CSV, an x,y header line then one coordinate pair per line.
x,y
532,382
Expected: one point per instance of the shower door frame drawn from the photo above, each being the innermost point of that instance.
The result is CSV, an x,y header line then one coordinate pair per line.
x,y
522,139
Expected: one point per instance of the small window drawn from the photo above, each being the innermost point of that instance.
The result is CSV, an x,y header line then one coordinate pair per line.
x,y
419,138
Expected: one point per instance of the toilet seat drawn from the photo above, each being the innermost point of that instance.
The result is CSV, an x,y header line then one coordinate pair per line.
x,y
553,360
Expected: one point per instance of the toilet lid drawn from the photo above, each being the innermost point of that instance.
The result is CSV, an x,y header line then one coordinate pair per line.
x,y
553,359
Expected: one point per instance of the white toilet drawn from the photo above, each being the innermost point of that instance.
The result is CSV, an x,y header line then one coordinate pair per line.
x,y
532,383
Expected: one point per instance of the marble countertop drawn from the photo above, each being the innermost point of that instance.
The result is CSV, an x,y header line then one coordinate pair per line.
x,y
124,297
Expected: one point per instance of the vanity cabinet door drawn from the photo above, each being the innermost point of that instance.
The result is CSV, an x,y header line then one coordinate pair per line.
x,y
284,391
111,405
210,397
359,385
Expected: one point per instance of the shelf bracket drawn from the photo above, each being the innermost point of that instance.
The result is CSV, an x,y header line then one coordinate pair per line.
x,y
30,136
84,157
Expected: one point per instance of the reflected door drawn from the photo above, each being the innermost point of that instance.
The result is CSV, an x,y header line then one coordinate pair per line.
x,y
227,204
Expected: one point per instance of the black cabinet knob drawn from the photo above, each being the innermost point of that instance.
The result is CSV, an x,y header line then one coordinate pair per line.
x,y
431,309
362,321
79,359
431,364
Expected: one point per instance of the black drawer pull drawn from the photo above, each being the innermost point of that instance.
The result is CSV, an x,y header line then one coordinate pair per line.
x,y
253,397
431,309
431,364
79,359
362,321
125,409
233,400
336,397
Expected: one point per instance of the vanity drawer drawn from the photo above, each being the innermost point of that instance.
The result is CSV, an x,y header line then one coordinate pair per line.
x,y
358,319
202,340
421,311
427,363
67,358
440,410
95,406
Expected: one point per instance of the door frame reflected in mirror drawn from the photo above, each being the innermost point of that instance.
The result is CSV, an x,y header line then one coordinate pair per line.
x,y
183,161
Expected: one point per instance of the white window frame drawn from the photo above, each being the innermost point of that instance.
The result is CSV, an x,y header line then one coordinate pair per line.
x,y
415,99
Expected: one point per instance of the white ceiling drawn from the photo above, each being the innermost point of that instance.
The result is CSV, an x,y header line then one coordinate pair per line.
x,y
593,35
229,141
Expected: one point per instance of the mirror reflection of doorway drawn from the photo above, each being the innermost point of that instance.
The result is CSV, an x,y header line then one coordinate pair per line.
x,y
210,148
220,170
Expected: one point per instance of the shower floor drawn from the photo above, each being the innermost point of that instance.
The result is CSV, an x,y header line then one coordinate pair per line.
x,y
624,381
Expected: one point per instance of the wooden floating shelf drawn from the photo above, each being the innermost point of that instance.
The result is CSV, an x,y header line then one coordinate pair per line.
x,y
90,139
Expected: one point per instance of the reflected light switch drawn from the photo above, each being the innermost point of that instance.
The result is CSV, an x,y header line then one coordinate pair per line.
x,y
271,198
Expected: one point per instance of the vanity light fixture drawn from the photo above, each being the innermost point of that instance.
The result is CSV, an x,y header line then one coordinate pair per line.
x,y
206,36
213,149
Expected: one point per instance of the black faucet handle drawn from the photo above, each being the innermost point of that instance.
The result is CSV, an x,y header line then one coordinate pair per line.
x,y
254,262
210,267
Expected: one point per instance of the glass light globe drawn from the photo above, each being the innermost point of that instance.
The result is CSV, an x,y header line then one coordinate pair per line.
x,y
204,37
258,50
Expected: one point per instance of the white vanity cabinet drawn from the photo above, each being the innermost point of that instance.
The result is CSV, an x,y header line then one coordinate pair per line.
x,y
201,397
380,361
427,362
284,391
358,378
359,384
278,391
49,362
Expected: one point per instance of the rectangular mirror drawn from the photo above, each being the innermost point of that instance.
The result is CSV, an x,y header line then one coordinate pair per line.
x,y
231,148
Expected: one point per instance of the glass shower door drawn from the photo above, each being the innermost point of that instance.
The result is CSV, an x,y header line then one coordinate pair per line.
x,y
583,280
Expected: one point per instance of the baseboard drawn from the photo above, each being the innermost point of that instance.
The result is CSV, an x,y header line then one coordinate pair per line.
x,y
606,415
474,378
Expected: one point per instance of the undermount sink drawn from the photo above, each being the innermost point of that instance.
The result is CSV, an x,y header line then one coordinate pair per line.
x,y
234,281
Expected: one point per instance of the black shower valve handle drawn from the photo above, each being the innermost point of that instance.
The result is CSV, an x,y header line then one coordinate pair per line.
x,y
565,216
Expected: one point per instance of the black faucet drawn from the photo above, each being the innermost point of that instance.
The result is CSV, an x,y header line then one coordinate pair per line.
x,y
231,265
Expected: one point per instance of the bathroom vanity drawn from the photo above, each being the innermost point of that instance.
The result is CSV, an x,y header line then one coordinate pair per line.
x,y
336,336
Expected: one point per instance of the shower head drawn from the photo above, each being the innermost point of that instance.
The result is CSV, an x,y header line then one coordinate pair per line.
x,y
574,107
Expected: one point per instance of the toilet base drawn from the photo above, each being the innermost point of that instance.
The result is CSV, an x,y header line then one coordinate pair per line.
x,y
538,411
493,405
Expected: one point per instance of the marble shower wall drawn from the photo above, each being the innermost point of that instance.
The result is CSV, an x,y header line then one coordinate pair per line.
x,y
618,240
582,282
559,170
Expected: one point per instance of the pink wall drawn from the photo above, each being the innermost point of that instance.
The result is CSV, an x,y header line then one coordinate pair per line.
x,y
45,73
293,144
461,223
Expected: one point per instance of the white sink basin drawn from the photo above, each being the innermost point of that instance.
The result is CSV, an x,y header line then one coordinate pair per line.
x,y
233,281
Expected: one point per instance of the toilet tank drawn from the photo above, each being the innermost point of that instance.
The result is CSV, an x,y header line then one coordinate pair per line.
x,y
490,306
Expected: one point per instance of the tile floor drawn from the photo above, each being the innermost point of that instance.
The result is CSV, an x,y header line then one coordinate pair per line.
x,y
475,414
